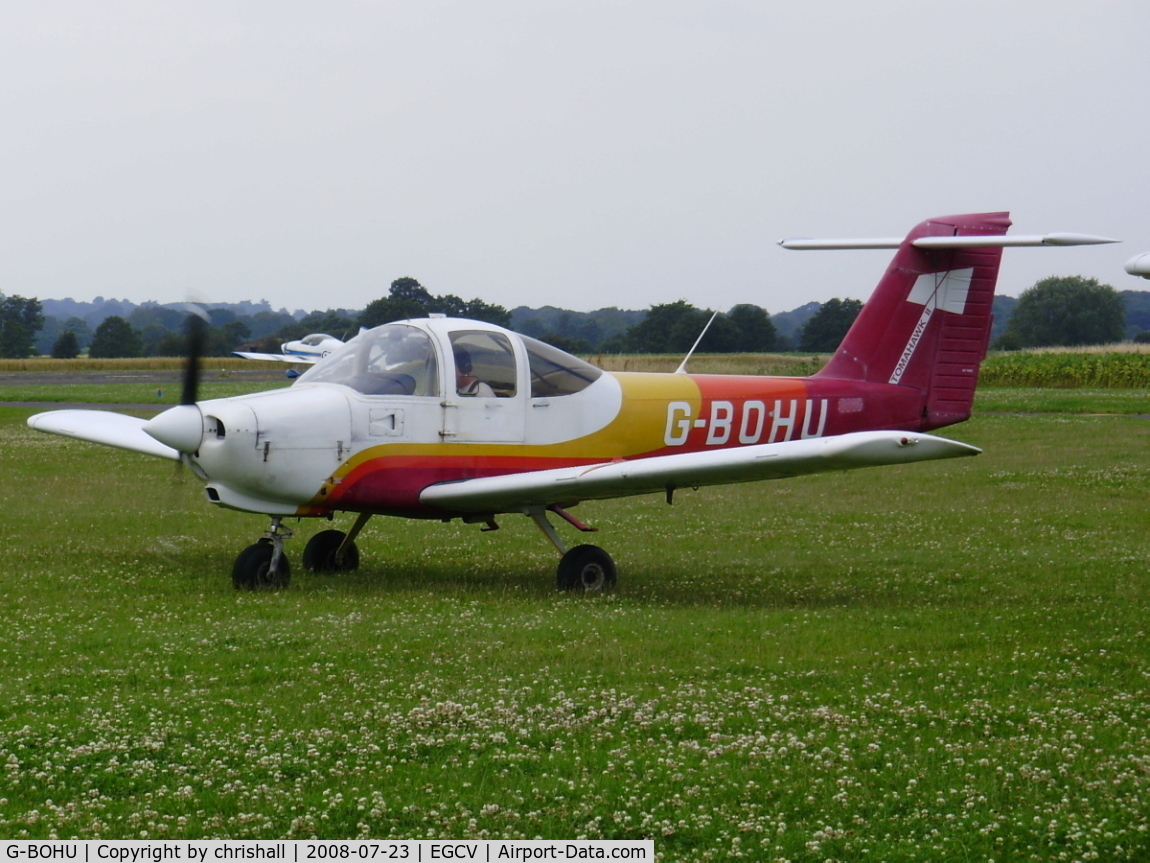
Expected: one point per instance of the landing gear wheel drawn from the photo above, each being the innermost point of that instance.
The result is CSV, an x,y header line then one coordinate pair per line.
x,y
319,553
252,569
586,569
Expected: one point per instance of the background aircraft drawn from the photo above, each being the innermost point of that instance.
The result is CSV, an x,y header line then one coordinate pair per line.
x,y
310,349
1139,265
381,428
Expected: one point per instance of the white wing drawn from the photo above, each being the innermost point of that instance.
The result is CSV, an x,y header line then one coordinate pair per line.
x,y
103,427
568,486
278,358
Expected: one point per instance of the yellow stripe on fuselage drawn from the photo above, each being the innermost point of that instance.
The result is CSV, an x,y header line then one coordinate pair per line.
x,y
637,429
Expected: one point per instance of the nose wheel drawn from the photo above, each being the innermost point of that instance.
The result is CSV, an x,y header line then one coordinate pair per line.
x,y
264,566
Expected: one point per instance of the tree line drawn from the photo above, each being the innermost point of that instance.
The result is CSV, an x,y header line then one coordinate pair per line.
x,y
1069,310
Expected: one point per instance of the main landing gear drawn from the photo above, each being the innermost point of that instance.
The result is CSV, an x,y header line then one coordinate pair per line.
x,y
582,569
264,566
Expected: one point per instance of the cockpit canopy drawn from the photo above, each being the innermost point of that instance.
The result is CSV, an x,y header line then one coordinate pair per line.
x,y
406,359
316,339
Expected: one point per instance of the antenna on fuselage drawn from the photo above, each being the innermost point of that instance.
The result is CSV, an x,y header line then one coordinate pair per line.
x,y
682,369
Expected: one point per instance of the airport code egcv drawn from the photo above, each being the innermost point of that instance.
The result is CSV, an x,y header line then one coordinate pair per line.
x,y
301,851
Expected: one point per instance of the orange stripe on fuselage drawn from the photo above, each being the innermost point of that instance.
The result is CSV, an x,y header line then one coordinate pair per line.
x,y
743,411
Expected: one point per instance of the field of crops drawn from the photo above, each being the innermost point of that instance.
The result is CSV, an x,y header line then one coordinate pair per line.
x,y
1113,370
942,661
1109,369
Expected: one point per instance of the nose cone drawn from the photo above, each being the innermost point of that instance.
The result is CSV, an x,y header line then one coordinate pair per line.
x,y
181,428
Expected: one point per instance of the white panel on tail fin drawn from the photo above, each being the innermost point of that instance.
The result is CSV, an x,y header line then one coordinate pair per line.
x,y
946,291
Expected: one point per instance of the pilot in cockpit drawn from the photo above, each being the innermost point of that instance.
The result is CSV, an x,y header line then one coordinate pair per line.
x,y
465,382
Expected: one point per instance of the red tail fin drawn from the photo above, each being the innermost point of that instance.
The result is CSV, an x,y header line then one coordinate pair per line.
x,y
928,322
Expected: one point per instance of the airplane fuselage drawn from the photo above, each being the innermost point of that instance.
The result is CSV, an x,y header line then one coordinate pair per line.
x,y
370,453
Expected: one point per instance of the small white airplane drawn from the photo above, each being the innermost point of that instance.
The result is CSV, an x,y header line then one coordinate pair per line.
x,y
310,349
386,425
1139,265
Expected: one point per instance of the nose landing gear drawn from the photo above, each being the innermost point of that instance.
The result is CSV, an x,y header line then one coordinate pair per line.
x,y
264,566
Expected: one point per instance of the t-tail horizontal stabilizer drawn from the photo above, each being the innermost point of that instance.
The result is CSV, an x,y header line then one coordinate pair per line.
x,y
996,242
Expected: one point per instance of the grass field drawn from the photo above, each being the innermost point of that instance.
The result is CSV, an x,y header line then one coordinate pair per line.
x,y
162,394
942,661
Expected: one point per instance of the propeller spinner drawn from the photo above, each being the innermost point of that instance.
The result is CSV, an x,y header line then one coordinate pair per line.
x,y
182,427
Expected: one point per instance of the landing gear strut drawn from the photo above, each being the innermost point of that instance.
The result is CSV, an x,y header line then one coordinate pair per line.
x,y
583,569
263,566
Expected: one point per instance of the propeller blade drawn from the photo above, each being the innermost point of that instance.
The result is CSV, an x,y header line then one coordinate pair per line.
x,y
197,341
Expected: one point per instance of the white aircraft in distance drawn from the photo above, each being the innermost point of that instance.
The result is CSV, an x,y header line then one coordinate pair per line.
x,y
1139,265
393,423
310,349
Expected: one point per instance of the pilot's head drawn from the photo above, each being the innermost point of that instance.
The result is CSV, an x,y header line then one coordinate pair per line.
x,y
462,362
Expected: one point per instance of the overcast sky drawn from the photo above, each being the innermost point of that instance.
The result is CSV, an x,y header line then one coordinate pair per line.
x,y
578,153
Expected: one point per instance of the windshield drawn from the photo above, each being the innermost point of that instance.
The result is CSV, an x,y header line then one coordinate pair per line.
x,y
395,359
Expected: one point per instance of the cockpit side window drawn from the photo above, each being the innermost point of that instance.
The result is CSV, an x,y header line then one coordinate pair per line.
x,y
395,359
491,362
555,372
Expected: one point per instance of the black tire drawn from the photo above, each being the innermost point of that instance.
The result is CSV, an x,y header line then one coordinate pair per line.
x,y
251,569
319,553
586,569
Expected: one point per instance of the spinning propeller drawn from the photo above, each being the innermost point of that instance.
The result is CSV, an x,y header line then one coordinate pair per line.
x,y
197,326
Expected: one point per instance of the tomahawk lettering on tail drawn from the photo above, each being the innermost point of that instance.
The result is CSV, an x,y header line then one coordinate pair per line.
x,y
388,424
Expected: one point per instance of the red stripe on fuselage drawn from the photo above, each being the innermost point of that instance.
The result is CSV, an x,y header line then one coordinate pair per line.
x,y
393,483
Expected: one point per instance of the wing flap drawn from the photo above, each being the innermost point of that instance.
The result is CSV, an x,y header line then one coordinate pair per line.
x,y
567,486
102,427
